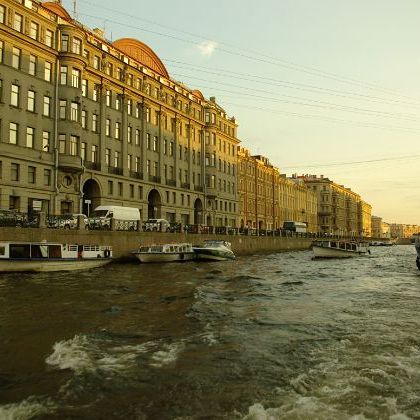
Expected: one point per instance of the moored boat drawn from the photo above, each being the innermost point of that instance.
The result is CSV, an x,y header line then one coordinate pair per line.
x,y
165,253
339,249
417,245
214,250
49,256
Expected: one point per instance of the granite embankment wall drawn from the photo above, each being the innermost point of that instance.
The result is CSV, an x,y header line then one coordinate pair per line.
x,y
124,242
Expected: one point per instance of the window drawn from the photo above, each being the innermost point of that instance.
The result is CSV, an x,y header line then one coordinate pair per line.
x,y
110,187
64,42
31,174
129,106
46,141
120,189
148,166
108,127
63,109
14,95
63,75
129,133
30,137
137,164
17,22
148,141
129,160
2,14
155,144
31,101
171,148
137,137
76,46
117,130
46,110
84,87
62,143
49,38
116,159
95,93
118,102
47,177
156,118
107,156
47,71
155,169
74,111
1,51
83,150
75,78
96,62
83,118
74,141
16,58
94,153
14,171
32,65
108,97
147,114
94,123
34,30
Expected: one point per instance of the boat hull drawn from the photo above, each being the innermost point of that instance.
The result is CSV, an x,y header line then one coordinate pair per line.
x,y
206,254
417,245
160,257
325,252
33,265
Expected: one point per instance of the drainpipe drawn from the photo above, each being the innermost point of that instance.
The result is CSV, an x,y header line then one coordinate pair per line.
x,y
57,68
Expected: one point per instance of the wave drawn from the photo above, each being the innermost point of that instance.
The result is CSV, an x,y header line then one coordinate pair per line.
x,y
27,409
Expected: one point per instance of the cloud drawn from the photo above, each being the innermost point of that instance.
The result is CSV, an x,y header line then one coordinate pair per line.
x,y
207,48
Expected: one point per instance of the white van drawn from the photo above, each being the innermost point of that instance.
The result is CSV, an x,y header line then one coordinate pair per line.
x,y
101,217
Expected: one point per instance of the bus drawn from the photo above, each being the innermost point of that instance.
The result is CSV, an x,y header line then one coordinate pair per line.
x,y
295,226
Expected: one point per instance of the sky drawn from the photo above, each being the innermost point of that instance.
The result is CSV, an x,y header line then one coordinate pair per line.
x,y
319,87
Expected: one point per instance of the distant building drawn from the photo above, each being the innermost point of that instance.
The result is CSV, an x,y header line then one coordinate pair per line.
x,y
403,231
341,211
380,229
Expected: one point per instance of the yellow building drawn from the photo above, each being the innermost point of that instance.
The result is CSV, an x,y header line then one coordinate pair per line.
x,y
340,210
86,122
258,191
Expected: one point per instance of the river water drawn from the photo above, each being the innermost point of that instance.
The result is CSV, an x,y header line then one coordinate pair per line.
x,y
278,336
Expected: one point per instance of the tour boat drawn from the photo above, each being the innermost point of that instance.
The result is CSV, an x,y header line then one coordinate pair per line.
x,y
214,250
417,245
49,256
339,249
165,253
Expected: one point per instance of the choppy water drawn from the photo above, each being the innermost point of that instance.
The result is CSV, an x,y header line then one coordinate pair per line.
x,y
261,338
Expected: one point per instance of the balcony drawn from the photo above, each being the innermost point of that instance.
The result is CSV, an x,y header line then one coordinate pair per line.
x,y
115,170
70,163
154,178
171,182
94,166
185,185
211,192
198,188
136,175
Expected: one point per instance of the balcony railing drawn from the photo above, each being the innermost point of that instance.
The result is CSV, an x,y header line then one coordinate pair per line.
x,y
154,178
171,182
72,163
95,166
198,188
115,170
136,175
185,185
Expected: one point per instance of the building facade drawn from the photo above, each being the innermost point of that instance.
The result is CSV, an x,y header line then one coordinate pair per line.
x,y
86,122
341,211
258,191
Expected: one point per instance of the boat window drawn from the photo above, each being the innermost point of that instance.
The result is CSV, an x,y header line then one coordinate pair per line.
x,y
55,251
333,244
20,251
2,250
39,251
342,245
353,247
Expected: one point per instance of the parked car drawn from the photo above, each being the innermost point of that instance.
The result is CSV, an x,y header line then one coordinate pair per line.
x,y
156,225
13,218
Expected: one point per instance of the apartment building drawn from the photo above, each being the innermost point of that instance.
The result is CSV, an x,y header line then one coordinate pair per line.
x,y
85,122
340,210
258,191
380,229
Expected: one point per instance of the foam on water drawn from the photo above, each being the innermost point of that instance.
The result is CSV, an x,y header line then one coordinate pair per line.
x,y
26,409
168,355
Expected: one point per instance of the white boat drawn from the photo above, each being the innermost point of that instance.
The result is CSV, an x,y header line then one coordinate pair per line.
x,y
49,256
165,253
339,249
417,245
214,250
